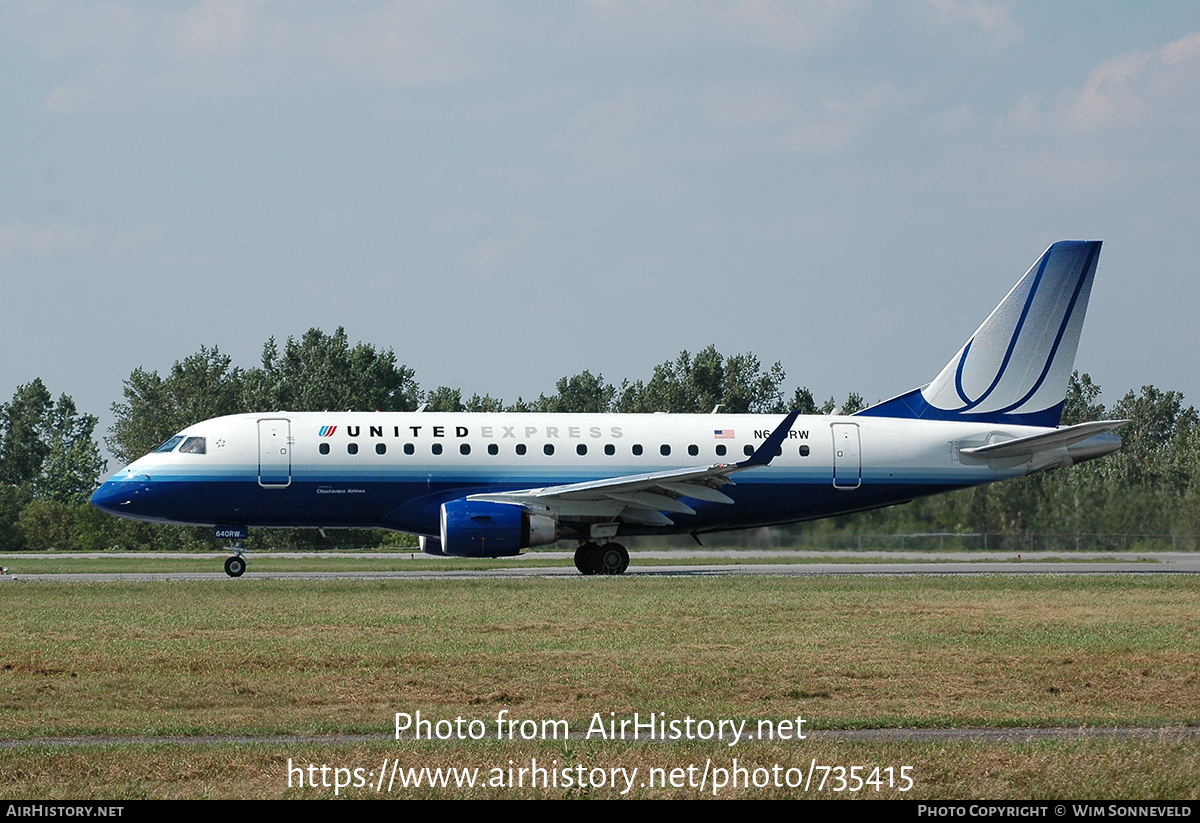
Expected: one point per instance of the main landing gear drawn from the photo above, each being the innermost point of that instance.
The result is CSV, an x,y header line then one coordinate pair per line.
x,y
601,558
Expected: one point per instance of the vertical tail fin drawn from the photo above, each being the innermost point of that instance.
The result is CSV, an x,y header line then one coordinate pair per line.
x,y
1016,366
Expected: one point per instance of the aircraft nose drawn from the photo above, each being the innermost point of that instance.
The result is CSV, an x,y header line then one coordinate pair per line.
x,y
118,495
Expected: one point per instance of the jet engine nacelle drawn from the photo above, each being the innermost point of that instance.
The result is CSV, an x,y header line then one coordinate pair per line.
x,y
432,545
478,528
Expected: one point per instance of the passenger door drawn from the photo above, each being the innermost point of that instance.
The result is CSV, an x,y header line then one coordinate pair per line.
x,y
847,461
274,453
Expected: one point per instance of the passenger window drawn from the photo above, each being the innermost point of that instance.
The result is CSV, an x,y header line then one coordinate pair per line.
x,y
521,448
493,448
437,448
323,448
747,450
170,444
610,449
664,450
637,448
721,450
804,451
693,450
381,448
351,448
409,448
548,449
193,445
581,449
465,448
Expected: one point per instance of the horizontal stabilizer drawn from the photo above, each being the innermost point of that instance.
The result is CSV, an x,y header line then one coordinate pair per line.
x,y
1038,443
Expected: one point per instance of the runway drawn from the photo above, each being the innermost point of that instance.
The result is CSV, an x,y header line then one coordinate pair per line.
x,y
643,563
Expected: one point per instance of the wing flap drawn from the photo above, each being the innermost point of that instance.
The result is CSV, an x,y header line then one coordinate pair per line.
x,y
654,502
697,492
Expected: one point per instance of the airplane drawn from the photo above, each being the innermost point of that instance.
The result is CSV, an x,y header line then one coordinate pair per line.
x,y
494,484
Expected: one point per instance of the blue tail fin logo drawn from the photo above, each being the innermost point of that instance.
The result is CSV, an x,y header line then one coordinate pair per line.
x,y
1016,366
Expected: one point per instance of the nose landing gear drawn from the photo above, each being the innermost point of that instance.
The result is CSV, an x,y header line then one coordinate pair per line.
x,y
236,566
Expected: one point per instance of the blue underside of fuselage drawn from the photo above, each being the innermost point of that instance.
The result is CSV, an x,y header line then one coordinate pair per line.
x,y
413,505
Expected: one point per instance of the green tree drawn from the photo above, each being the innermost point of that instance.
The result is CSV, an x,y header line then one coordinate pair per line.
x,y
583,392
49,465
13,500
687,384
803,400
1082,401
200,386
48,446
49,525
854,402
486,403
1155,441
444,399
73,464
23,423
323,372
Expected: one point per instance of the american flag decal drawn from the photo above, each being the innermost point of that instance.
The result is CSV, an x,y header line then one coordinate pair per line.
x,y
722,434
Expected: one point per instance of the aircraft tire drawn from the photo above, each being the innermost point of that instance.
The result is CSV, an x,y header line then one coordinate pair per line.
x,y
235,566
583,558
613,559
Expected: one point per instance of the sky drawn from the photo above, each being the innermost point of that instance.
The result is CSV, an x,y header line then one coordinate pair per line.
x,y
507,193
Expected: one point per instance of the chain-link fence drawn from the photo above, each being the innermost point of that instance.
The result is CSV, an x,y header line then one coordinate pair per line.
x,y
934,541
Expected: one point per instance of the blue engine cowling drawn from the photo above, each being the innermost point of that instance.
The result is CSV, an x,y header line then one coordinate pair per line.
x,y
432,545
477,528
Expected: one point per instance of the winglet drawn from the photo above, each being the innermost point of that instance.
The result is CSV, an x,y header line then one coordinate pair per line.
x,y
765,453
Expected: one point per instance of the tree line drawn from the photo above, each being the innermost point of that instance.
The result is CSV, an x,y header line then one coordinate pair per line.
x,y
50,461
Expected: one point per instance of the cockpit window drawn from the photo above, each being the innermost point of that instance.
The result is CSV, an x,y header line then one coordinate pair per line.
x,y
193,445
170,444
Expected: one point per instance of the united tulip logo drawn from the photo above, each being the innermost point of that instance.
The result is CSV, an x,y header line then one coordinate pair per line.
x,y
327,431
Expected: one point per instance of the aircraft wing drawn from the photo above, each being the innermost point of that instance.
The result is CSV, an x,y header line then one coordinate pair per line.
x,y
642,498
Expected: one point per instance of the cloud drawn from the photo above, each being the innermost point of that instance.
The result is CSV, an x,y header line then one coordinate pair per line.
x,y
783,26
21,239
994,20
748,105
488,243
214,29
836,125
127,55
792,119
1109,147
1140,89
121,56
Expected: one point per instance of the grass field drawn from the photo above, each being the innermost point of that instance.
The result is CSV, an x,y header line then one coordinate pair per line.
x,y
311,657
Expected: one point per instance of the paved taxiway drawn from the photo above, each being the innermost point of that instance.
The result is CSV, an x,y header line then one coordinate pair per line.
x,y
642,563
